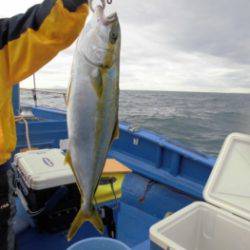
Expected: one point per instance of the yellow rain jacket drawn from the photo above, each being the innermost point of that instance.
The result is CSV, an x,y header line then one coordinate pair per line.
x,y
27,42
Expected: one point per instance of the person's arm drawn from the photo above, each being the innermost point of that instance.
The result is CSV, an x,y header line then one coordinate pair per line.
x,y
28,41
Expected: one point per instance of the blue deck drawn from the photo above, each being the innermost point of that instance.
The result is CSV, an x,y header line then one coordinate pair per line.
x,y
166,177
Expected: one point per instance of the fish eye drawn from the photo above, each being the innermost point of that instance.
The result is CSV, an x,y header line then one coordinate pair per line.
x,y
114,33
113,37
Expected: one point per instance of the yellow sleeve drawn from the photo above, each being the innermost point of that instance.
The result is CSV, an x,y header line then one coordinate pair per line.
x,y
28,41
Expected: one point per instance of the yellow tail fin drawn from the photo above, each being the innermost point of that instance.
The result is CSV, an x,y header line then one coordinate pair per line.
x,y
81,218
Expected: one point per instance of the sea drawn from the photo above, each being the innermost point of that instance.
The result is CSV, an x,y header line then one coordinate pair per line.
x,y
199,121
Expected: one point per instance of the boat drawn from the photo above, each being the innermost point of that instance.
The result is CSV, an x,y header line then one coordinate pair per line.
x,y
166,177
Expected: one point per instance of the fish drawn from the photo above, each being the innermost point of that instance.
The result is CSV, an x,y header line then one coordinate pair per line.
x,y
92,109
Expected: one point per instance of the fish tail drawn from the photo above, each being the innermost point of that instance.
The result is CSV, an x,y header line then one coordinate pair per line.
x,y
97,222
81,218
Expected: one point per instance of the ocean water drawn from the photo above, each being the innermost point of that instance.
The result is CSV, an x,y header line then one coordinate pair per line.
x,y
200,121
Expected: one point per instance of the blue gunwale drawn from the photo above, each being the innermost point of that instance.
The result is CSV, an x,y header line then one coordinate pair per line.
x,y
155,156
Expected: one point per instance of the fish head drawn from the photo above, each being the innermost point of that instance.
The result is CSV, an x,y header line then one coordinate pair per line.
x,y
100,41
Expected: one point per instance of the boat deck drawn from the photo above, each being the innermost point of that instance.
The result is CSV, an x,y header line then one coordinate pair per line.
x,y
166,177
143,203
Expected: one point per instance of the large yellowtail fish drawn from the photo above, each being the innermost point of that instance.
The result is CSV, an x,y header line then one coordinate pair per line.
x,y
92,111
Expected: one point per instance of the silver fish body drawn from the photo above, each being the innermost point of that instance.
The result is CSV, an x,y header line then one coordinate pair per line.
x,y
92,109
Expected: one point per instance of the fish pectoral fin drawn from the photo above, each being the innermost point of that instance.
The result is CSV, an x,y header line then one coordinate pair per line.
x,y
81,218
68,159
116,131
98,85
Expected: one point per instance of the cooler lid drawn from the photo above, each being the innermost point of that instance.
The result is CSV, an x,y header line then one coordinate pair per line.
x,y
228,186
42,169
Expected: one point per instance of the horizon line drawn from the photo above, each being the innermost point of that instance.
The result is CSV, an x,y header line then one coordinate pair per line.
x,y
158,90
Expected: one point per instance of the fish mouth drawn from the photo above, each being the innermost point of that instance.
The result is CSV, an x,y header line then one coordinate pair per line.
x,y
106,20
112,17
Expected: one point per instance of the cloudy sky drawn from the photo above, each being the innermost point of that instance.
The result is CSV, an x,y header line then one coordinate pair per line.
x,y
170,45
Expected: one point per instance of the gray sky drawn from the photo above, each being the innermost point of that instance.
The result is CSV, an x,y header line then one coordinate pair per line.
x,y
198,45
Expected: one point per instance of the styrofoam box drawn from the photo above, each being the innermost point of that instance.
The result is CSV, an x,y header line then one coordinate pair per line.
x,y
223,221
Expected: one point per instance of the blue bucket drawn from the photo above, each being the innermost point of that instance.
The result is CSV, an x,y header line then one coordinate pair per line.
x,y
99,243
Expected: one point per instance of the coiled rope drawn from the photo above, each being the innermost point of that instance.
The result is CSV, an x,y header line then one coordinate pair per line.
x,y
26,124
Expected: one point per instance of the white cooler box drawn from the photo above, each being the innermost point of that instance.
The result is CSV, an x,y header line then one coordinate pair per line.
x,y
222,222
44,184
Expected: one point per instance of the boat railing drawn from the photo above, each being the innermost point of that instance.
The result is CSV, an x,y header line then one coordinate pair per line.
x,y
35,92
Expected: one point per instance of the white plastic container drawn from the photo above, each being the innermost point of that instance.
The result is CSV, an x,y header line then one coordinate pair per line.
x,y
223,221
44,183
43,169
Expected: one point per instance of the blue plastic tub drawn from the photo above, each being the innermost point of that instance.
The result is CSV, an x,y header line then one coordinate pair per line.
x,y
99,243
